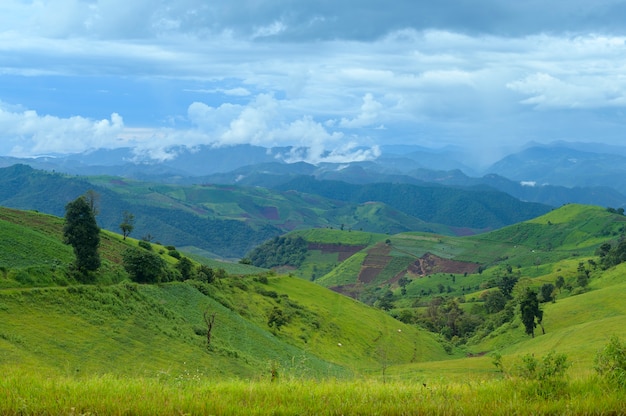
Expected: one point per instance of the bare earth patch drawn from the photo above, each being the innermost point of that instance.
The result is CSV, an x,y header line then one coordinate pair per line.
x,y
343,251
430,264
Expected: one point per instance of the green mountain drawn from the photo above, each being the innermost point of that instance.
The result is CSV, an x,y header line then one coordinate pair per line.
x,y
225,221
456,207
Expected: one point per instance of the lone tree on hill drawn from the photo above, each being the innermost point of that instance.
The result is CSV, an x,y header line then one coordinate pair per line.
x,y
529,308
82,232
128,224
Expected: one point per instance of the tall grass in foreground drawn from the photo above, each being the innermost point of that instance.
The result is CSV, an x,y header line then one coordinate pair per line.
x,y
29,394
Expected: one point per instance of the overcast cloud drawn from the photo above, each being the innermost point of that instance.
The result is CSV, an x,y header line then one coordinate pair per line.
x,y
81,74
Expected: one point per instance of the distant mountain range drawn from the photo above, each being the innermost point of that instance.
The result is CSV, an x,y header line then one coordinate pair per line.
x,y
229,220
553,174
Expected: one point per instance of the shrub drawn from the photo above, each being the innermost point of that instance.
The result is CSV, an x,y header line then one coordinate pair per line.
x,y
145,244
610,362
546,377
144,267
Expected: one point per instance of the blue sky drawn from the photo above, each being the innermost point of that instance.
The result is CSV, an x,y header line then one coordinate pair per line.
x,y
489,75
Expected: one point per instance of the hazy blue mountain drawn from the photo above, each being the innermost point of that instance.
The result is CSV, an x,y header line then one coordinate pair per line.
x,y
550,174
565,166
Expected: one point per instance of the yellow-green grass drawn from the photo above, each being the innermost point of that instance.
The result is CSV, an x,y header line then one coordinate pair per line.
x,y
577,326
29,393
139,331
231,267
346,272
367,341
332,236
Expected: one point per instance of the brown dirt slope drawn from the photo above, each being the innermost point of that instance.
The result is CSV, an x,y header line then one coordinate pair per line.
x,y
343,251
430,264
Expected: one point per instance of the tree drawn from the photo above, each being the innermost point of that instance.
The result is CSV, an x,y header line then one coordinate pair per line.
x,y
582,278
495,301
529,308
546,292
277,318
506,285
144,266
385,302
185,267
205,274
560,282
128,224
82,232
209,319
610,362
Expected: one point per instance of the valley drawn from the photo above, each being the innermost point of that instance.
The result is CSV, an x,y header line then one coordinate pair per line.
x,y
318,301
284,321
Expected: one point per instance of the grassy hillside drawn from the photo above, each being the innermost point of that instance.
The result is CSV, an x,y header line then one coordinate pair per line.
x,y
160,331
428,260
67,347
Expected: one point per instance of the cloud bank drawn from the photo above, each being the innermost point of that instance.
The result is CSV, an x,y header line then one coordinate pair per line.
x,y
331,79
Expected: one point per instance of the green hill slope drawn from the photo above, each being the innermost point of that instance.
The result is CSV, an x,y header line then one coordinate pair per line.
x,y
528,247
160,331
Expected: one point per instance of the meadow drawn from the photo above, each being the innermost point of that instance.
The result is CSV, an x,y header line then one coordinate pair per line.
x,y
34,394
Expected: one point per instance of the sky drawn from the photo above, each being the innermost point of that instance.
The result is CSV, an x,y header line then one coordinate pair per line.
x,y
340,76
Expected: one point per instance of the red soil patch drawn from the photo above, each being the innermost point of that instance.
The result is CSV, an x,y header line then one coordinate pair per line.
x,y
270,213
375,261
343,251
430,264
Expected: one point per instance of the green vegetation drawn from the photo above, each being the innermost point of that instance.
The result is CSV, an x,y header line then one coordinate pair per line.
x,y
446,331
32,394
82,232
280,251
230,221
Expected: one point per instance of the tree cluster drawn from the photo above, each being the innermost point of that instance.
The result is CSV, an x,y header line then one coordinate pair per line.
x,y
279,251
145,266
612,255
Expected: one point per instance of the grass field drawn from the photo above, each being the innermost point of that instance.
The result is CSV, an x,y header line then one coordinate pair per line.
x,y
123,348
31,394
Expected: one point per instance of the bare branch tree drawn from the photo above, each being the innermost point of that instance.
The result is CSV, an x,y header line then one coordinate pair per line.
x,y
210,320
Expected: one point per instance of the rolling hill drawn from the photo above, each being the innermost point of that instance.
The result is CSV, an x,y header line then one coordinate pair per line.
x,y
227,221
280,330
53,324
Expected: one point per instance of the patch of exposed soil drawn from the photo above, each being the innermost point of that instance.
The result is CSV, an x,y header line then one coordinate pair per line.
x,y
430,264
351,290
270,213
343,251
375,261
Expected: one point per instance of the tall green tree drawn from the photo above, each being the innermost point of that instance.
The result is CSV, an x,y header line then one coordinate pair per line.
x,y
531,314
82,232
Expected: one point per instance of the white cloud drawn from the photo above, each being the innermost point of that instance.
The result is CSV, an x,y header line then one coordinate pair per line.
x,y
546,91
26,133
273,29
297,74
370,113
